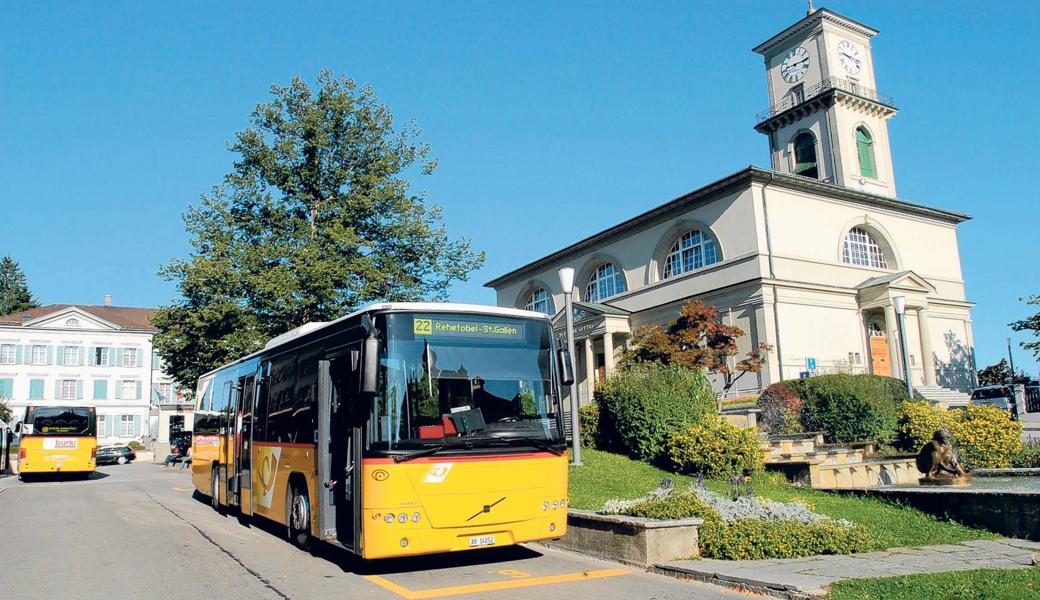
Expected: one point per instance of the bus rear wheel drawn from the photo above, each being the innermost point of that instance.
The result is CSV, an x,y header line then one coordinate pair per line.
x,y
214,491
298,517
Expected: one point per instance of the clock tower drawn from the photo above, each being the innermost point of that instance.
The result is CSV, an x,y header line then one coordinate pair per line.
x,y
826,119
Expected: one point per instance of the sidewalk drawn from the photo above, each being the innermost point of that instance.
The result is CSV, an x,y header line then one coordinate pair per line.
x,y
812,576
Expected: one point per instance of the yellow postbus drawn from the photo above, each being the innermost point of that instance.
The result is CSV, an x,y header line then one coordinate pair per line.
x,y
401,429
57,439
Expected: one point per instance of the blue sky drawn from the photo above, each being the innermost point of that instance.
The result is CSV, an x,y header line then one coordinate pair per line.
x,y
550,120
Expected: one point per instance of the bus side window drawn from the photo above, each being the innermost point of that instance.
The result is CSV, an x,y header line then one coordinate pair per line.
x,y
260,406
305,409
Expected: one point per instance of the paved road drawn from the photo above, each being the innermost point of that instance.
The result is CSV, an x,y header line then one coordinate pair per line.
x,y
137,531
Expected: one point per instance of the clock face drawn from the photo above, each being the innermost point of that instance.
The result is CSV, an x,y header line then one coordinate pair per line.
x,y
795,65
849,55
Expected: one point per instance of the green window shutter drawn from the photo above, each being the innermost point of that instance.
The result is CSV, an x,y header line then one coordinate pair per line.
x,y
111,423
6,388
60,358
19,355
155,359
79,389
137,425
50,355
91,355
100,389
36,389
865,149
57,389
119,389
79,355
138,391
119,357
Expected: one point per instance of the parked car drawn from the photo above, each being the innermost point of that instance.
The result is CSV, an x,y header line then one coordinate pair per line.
x,y
113,455
1001,396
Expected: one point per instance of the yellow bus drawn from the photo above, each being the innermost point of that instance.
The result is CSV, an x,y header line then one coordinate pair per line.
x,y
401,429
57,439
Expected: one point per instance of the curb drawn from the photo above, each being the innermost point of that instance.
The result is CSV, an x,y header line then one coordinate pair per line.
x,y
740,584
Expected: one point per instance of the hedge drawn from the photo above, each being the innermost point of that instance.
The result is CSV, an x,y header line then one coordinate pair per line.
x,y
641,406
849,408
715,448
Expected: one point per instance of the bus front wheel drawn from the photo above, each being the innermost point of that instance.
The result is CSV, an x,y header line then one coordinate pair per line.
x,y
214,491
298,517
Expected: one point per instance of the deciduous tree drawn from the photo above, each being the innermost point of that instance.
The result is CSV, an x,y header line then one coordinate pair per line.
x,y
699,341
1031,324
1000,373
316,219
14,289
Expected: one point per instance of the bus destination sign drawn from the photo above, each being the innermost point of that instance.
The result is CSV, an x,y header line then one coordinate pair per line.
x,y
436,327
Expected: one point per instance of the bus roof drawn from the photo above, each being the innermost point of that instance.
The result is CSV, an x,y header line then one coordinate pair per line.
x,y
383,307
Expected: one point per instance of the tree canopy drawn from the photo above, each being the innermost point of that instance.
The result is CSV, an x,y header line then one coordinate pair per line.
x,y
1031,324
1000,373
14,289
316,219
698,341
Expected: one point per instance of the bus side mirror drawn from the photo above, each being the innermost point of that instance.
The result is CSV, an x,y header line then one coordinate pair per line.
x,y
566,370
370,366
18,427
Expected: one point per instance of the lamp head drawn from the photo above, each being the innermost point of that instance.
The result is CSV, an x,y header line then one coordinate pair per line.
x,y
899,302
567,279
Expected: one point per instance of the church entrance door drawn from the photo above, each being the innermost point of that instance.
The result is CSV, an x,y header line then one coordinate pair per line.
x,y
879,356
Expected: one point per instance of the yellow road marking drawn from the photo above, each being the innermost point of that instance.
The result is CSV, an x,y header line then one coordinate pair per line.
x,y
177,489
409,594
513,573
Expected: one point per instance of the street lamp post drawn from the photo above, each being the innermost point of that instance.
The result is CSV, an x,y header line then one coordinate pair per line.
x,y
1011,360
567,283
899,302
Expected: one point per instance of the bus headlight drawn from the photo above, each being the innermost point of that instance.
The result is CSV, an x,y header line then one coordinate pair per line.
x,y
415,517
552,527
404,542
563,503
545,506
556,505
389,518
401,518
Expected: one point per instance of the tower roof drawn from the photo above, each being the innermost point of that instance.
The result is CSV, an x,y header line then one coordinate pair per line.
x,y
809,22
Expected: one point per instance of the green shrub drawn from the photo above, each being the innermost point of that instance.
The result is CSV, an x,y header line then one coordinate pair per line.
x,y
850,408
752,539
588,425
676,505
1028,457
643,405
986,437
136,446
715,448
781,410
918,421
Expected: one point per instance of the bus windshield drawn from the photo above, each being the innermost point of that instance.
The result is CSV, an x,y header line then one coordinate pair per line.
x,y
64,420
468,380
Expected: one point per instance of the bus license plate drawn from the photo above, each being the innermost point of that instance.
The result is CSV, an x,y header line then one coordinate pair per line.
x,y
481,540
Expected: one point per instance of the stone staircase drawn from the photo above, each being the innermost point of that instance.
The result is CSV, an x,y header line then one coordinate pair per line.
x,y
945,397
807,458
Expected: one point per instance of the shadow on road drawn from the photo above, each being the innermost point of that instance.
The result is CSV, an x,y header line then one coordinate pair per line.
x,y
351,563
42,477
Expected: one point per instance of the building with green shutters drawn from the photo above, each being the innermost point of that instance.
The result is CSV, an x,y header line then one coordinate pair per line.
x,y
91,355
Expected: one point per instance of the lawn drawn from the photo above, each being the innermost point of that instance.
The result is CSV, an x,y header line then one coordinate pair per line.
x,y
604,476
983,583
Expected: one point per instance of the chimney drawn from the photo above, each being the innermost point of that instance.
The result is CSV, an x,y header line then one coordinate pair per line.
x,y
108,299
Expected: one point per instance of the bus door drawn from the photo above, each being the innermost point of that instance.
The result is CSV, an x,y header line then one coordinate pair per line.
x,y
227,438
240,486
339,448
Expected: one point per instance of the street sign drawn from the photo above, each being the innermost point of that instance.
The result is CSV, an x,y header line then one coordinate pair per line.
x,y
810,363
804,375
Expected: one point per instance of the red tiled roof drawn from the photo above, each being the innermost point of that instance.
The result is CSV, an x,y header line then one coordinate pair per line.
x,y
124,316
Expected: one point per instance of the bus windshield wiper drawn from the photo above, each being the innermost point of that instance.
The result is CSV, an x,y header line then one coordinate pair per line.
x,y
419,453
528,441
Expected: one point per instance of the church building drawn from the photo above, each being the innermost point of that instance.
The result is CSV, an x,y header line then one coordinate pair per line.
x,y
812,255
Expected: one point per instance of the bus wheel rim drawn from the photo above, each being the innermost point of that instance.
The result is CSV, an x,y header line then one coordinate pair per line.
x,y
299,511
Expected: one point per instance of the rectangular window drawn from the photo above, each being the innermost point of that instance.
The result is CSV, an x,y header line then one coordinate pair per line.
x,y
68,389
128,387
165,390
126,425
130,357
70,355
798,94
7,354
39,355
36,389
102,357
102,425
7,388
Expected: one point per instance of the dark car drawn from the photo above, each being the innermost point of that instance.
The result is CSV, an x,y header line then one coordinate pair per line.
x,y
113,455
1000,396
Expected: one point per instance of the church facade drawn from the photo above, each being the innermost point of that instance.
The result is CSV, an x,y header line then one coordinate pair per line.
x,y
807,256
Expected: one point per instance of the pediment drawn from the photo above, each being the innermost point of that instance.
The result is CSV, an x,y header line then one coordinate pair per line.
x,y
587,311
70,318
903,280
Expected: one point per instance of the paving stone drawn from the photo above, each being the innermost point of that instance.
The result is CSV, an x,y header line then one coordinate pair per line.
x,y
909,550
949,548
994,546
1021,543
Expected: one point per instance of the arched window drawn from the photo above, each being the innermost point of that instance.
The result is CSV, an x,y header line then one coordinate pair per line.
x,y
539,300
865,149
73,322
693,250
605,282
805,155
862,249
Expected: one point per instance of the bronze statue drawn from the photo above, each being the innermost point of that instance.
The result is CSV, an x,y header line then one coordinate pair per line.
x,y
938,462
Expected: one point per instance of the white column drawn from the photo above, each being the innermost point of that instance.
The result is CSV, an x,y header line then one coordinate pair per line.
x,y
608,353
892,330
927,361
590,369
